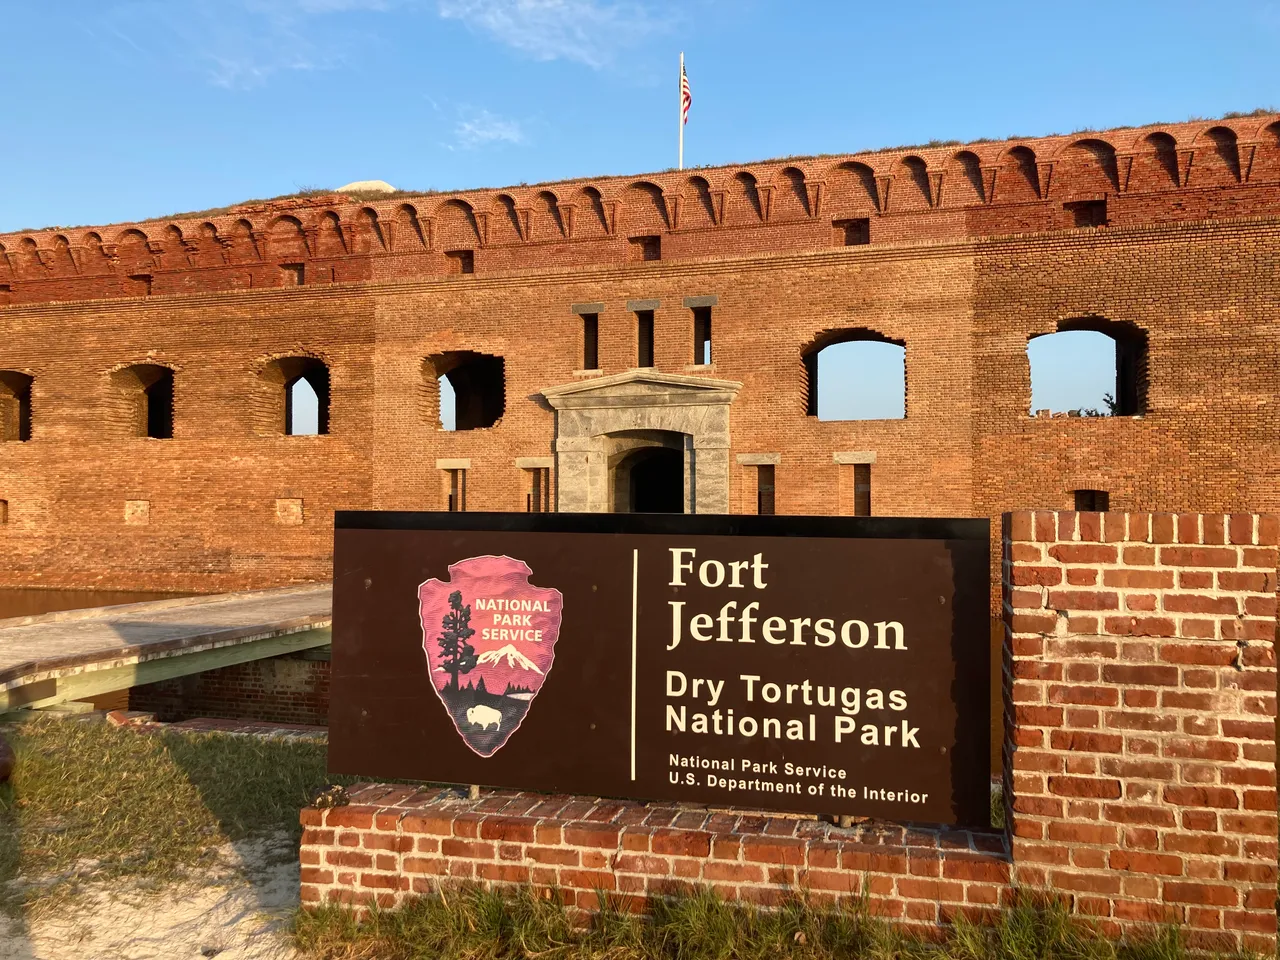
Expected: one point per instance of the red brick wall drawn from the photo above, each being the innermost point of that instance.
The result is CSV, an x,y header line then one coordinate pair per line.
x,y
1140,696
1141,683
394,842
286,689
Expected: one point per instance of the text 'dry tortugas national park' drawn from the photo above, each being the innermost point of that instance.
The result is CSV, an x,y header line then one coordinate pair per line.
x,y
618,605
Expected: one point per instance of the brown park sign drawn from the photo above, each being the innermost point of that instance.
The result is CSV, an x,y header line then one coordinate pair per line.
x,y
811,664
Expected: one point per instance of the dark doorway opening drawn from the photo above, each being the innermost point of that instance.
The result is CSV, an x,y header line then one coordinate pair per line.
x,y
657,480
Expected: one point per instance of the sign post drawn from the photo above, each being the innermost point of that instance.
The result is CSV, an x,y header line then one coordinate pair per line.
x,y
809,664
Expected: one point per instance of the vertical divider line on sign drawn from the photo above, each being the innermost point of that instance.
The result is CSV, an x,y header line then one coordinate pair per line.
x,y
635,581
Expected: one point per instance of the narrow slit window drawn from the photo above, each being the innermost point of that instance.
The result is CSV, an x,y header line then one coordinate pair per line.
x,y
644,338
4,511
538,497
862,489
590,341
764,489
1092,501
702,335
457,491
159,404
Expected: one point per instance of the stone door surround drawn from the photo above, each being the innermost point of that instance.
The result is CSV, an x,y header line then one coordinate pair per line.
x,y
589,413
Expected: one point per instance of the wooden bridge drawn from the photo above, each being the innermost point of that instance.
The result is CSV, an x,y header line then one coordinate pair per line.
x,y
74,655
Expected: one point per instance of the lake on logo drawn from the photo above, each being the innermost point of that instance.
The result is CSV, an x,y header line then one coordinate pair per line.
x,y
490,639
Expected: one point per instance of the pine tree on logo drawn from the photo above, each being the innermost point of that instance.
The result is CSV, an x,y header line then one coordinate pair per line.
x,y
459,656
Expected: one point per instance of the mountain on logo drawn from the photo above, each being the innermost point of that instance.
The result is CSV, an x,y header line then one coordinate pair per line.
x,y
513,657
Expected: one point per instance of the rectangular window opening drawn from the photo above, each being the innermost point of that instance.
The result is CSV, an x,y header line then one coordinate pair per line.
x,y
538,497
591,341
293,274
457,491
644,338
4,511
157,403
862,489
1087,213
1092,501
461,261
702,335
646,248
853,233
138,285
15,407
764,489
6,294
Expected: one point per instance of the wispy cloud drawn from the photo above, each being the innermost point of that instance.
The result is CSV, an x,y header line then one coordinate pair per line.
x,y
242,44
238,44
482,128
586,31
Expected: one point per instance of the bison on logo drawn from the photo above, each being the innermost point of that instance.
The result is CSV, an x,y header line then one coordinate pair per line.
x,y
490,639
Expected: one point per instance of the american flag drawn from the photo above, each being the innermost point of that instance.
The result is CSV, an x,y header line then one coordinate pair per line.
x,y
686,98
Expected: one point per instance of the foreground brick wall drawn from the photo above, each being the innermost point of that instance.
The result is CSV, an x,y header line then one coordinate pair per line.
x,y
394,842
1141,673
286,689
1140,695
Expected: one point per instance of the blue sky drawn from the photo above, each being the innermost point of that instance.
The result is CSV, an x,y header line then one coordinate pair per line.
x,y
129,109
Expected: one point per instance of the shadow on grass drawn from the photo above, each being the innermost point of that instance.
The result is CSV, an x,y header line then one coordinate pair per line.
x,y
90,802
13,924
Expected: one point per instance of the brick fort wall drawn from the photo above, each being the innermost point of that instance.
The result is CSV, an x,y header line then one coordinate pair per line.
x,y
1168,235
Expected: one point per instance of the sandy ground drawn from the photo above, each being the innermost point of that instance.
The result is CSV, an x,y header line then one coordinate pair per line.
x,y
240,911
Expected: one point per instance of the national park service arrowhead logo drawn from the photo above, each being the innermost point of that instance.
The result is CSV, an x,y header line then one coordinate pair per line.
x,y
490,639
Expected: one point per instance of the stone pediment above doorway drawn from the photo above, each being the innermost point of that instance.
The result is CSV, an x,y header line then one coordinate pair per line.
x,y
641,388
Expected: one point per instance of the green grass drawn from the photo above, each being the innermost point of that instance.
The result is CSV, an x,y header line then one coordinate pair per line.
x,y
88,800
469,923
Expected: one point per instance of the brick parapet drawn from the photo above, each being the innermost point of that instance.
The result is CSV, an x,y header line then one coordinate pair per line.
x,y
990,188
393,842
1140,693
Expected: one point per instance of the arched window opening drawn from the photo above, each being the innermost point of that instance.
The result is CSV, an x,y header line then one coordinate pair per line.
x,y
448,404
471,388
302,409
15,406
299,396
1091,367
147,389
856,375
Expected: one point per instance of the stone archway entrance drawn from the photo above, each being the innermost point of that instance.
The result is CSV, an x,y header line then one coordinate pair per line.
x,y
646,471
609,428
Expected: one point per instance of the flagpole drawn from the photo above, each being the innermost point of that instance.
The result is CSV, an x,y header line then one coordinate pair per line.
x,y
680,111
